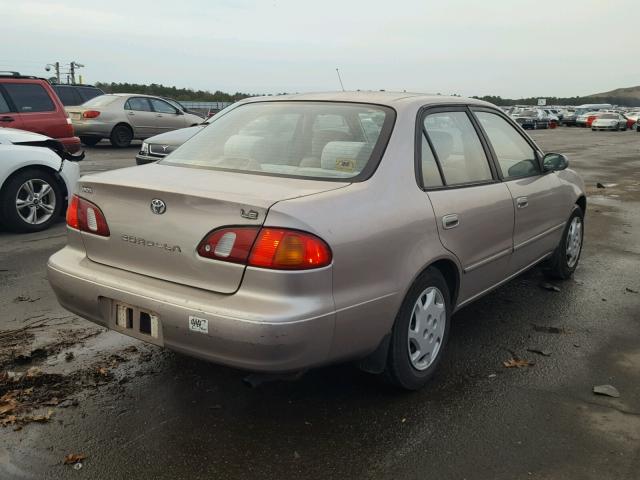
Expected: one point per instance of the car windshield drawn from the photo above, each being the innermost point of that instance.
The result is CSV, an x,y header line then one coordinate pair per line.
x,y
320,140
100,101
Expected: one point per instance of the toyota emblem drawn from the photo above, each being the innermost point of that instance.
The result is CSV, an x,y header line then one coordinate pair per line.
x,y
158,206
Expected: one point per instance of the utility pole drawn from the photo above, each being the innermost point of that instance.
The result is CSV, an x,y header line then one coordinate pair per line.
x,y
72,70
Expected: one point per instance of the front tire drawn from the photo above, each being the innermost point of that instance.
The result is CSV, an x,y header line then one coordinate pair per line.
x,y
121,136
567,254
420,332
31,201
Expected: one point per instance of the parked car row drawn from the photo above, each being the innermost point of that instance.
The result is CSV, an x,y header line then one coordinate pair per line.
x,y
75,114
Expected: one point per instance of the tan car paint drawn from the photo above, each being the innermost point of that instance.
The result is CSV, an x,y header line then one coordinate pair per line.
x,y
383,233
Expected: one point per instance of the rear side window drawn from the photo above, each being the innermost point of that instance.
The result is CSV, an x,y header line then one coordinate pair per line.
x,y
457,148
515,156
429,167
87,93
68,95
138,104
4,106
29,97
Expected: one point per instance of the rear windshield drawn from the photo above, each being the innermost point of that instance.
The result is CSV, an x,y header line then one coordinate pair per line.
x,y
100,101
320,140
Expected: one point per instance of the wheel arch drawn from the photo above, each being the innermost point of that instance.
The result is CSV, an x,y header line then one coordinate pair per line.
x,y
123,124
582,203
38,166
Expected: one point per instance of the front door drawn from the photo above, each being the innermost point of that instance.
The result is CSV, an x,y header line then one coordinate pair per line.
x,y
167,117
474,211
540,216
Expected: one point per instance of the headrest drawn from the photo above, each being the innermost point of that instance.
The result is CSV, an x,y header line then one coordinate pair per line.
x,y
345,156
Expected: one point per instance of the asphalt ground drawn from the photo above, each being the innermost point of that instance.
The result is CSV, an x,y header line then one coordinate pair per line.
x,y
137,411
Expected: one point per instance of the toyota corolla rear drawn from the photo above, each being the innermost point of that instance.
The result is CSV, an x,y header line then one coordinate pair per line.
x,y
185,254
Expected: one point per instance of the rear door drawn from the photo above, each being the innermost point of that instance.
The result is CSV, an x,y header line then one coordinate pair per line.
x,y
540,208
8,116
167,116
34,108
141,117
474,211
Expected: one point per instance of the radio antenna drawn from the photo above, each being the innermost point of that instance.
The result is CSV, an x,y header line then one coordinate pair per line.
x,y
339,78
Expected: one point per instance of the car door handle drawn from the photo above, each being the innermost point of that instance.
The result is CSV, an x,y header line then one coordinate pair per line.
x,y
7,119
450,221
130,113
522,202
159,115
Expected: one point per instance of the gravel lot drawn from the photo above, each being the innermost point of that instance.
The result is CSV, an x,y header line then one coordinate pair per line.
x,y
137,411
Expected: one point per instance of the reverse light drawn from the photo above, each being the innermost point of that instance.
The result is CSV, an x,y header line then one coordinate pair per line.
x,y
86,217
273,248
90,114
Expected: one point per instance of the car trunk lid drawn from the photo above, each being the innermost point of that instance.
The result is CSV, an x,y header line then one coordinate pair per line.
x,y
197,201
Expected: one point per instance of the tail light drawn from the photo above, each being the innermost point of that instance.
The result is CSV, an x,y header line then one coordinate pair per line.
x,y
86,217
90,114
274,248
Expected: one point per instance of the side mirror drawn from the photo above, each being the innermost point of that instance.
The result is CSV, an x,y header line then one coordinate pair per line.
x,y
179,112
552,162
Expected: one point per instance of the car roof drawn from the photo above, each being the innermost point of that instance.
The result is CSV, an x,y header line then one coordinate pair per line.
x,y
390,99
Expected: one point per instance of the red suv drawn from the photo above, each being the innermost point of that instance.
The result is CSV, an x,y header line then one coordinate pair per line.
x,y
30,103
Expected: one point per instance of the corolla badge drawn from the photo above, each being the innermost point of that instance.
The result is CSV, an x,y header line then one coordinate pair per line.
x,y
158,206
251,214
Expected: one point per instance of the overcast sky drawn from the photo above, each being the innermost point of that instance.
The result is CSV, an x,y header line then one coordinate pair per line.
x,y
503,47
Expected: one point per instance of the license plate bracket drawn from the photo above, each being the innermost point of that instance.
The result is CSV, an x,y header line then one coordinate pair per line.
x,y
137,322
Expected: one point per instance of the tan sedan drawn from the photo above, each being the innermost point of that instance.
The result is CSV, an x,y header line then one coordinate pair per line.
x,y
303,230
122,117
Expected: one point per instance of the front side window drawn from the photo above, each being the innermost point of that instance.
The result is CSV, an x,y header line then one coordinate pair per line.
x,y
29,97
138,104
322,140
457,148
161,106
515,155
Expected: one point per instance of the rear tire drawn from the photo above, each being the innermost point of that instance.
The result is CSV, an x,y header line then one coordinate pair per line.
x,y
39,210
90,141
420,332
567,254
121,136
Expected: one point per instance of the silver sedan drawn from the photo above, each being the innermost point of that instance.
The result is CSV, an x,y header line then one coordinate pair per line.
x,y
122,117
304,230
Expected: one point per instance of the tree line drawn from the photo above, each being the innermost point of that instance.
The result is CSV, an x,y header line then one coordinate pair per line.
x,y
172,92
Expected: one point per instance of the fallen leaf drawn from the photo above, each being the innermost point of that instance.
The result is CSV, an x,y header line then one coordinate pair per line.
x,y
599,185
550,287
517,363
544,353
74,458
103,371
52,402
608,390
33,372
631,290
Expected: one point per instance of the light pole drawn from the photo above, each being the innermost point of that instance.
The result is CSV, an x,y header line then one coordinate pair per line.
x,y
56,67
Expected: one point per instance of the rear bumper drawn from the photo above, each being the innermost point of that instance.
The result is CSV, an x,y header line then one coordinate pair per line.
x,y
71,144
92,128
251,329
